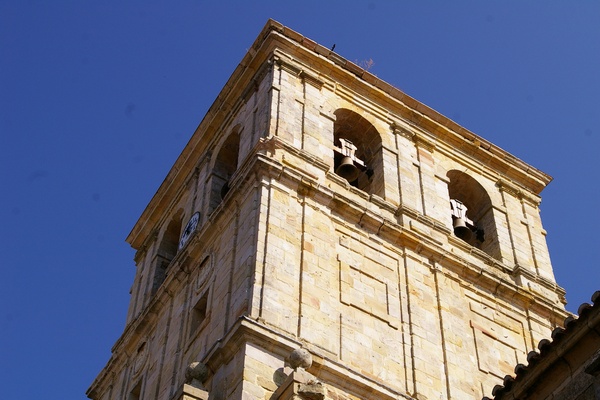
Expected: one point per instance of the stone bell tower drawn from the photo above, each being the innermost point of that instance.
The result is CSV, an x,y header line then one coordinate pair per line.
x,y
325,236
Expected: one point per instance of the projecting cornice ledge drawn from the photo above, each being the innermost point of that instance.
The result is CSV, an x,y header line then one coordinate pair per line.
x,y
324,365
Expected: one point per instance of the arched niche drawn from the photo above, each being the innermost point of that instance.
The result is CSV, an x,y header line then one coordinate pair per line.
x,y
365,146
472,213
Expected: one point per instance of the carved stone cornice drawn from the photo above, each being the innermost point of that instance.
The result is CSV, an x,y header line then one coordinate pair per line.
x,y
286,64
516,191
311,79
295,69
402,131
424,142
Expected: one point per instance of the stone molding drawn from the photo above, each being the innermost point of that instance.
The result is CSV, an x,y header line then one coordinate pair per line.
x,y
189,392
300,385
324,365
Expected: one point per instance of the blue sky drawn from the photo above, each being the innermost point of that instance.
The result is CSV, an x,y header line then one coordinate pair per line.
x,y
97,99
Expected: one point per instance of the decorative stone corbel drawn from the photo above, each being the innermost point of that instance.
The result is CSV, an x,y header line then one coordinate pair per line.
x,y
311,79
195,374
424,142
402,131
193,389
300,359
300,384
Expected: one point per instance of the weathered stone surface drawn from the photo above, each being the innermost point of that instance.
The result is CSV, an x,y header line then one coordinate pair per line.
x,y
195,374
300,358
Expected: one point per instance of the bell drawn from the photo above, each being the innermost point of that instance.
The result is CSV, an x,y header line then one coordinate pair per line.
x,y
347,169
461,230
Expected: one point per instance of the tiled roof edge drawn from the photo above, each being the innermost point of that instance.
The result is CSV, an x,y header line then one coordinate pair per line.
x,y
546,346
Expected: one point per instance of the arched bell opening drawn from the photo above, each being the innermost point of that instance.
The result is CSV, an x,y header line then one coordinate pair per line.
x,y
357,152
225,165
167,250
472,213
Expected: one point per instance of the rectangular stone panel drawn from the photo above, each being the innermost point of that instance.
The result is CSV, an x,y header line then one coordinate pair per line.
x,y
499,339
493,355
363,291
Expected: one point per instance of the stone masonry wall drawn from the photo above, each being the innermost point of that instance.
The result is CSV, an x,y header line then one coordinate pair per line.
x,y
385,312
399,314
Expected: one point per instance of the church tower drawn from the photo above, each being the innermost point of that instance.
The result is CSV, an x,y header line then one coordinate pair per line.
x,y
325,236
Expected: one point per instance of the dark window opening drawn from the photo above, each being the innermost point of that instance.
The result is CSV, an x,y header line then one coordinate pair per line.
x,y
198,314
135,393
167,250
160,275
170,240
